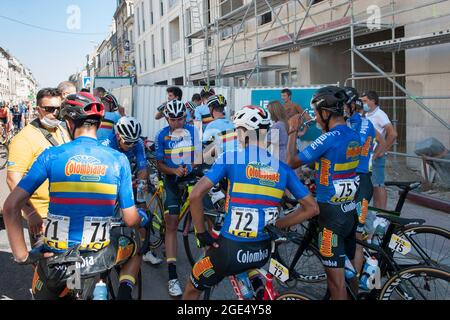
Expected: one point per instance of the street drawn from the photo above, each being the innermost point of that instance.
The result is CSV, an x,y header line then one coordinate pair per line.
x,y
15,280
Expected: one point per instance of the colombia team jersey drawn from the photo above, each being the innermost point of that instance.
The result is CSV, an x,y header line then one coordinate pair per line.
x,y
177,148
256,184
85,180
366,131
336,154
107,125
221,132
134,155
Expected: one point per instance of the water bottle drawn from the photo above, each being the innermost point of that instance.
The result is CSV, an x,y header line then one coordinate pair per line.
x,y
100,291
140,194
244,285
380,225
369,275
350,272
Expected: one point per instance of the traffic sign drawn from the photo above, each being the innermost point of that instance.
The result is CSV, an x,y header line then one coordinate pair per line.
x,y
86,82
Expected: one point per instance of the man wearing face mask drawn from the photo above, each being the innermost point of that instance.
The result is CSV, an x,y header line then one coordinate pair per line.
x,y
27,145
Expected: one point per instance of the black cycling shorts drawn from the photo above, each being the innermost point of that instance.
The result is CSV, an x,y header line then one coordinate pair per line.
x,y
363,198
337,238
4,120
174,193
231,258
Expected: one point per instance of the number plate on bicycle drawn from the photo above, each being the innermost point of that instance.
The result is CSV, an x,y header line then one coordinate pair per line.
x,y
278,270
400,245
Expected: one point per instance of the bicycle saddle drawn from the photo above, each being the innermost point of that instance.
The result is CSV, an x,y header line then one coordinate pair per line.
x,y
404,185
400,221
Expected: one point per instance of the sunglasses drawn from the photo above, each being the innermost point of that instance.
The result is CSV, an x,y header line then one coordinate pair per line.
x,y
127,143
51,109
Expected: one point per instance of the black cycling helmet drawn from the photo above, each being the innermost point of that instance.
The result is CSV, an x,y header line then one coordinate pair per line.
x,y
331,99
108,97
217,101
81,106
352,95
207,92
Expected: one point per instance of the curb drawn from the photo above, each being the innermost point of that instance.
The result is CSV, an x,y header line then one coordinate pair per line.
x,y
429,202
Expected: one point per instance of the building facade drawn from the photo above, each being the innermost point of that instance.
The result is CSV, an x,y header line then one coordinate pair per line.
x,y
124,18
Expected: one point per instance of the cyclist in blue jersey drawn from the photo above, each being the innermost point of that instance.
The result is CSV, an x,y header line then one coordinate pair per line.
x,y
202,113
372,147
190,112
86,180
219,135
111,116
173,93
257,182
175,147
336,154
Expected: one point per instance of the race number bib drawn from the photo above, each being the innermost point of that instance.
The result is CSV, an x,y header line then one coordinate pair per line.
x,y
244,222
270,215
95,233
279,270
56,234
345,189
400,244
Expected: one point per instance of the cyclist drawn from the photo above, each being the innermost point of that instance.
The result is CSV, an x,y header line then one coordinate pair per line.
x,y
174,145
17,116
220,131
127,140
5,119
336,153
173,93
190,112
111,116
257,182
85,181
202,113
369,139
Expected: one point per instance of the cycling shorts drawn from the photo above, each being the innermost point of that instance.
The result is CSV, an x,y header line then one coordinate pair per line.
x,y
4,120
173,204
230,258
337,237
362,198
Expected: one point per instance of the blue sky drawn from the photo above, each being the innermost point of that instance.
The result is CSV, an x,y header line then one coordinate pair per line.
x,y
53,57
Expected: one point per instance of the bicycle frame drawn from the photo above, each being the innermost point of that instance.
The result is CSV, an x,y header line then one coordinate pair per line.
x,y
269,291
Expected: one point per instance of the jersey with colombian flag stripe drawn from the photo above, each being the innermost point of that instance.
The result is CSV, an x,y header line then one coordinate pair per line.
x,y
336,154
85,181
256,184
222,133
107,125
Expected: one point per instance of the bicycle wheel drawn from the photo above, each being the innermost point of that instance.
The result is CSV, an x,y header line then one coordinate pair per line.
x,y
417,283
112,281
156,229
293,296
430,246
193,252
3,156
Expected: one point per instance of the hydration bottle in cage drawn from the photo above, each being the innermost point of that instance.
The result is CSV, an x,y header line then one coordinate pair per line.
x,y
140,194
100,291
244,285
350,272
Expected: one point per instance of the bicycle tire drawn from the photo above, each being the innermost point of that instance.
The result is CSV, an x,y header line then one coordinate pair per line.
x,y
293,296
3,156
403,279
435,260
156,229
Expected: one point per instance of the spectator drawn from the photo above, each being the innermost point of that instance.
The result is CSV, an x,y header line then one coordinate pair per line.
x,y
66,88
384,126
278,135
291,107
99,92
173,93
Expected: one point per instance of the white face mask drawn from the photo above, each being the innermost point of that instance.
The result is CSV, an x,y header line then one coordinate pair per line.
x,y
50,123
318,126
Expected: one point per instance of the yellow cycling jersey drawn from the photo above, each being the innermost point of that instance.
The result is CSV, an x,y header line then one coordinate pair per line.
x,y
24,148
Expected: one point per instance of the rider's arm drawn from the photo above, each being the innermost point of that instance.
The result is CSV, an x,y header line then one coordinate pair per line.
x,y
126,198
381,143
141,161
13,179
159,115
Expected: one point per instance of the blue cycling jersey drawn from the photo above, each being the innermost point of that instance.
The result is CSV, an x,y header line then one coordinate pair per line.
x,y
367,134
221,132
178,147
107,125
336,154
202,114
135,155
256,184
85,181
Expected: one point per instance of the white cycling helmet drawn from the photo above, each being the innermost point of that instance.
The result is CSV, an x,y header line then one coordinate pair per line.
x,y
252,118
175,109
129,129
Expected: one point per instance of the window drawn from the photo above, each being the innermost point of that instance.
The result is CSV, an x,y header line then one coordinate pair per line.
x,y
163,49
143,17
229,5
153,52
138,22
265,18
151,12
161,4
140,58
284,78
145,56
188,28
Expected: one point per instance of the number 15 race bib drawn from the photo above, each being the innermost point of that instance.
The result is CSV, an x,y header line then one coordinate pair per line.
x,y
244,222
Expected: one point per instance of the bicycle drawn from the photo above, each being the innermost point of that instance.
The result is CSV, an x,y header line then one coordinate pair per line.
x,y
266,289
79,271
4,143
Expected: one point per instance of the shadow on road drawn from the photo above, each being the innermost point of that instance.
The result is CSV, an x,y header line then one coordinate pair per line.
x,y
15,280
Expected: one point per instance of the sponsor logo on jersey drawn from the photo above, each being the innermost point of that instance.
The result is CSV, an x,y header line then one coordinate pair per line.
x,y
88,167
327,240
204,267
249,257
264,173
366,147
347,207
353,150
324,171
329,263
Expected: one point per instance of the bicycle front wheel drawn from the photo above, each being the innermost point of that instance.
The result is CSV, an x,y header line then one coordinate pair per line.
x,y
156,229
417,283
3,156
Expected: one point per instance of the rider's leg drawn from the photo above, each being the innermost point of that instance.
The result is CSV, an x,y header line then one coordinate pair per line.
x,y
128,276
336,283
171,244
190,293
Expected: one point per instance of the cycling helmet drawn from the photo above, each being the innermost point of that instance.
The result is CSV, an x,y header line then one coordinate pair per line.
x,y
252,118
129,129
108,97
175,109
207,92
352,95
217,101
331,99
81,106
190,105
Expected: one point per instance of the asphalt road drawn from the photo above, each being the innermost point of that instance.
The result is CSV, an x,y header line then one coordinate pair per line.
x,y
15,281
